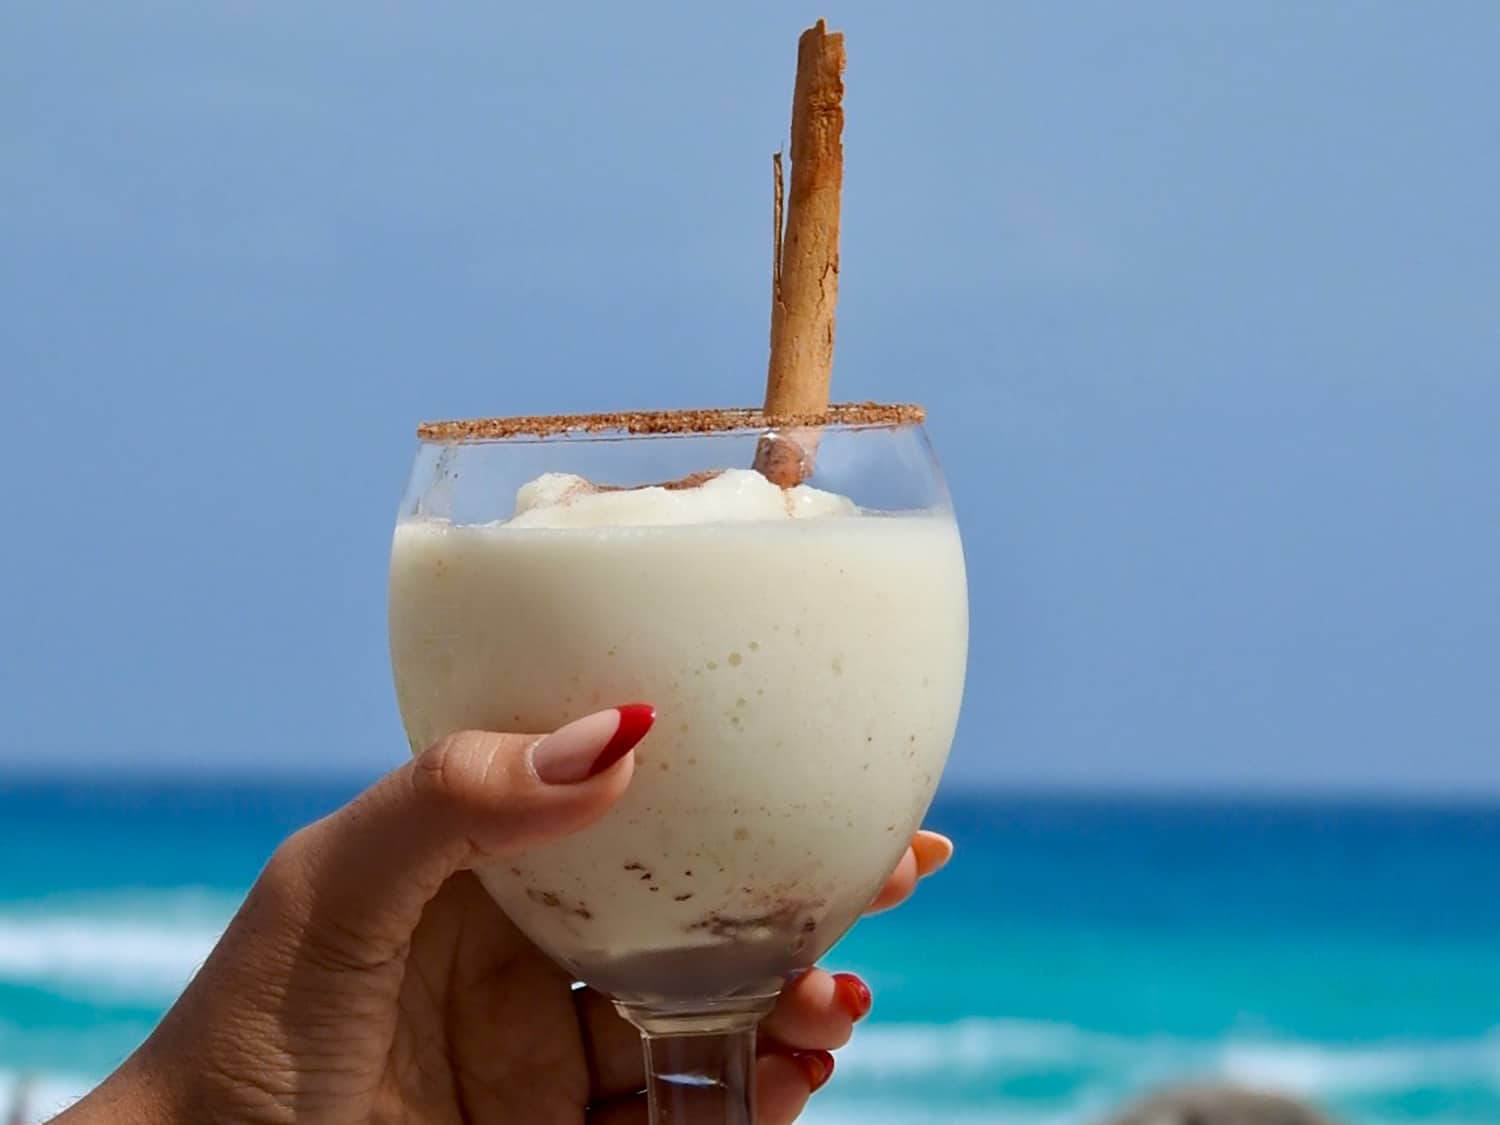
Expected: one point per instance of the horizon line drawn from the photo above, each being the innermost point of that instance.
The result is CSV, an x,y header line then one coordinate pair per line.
x,y
955,791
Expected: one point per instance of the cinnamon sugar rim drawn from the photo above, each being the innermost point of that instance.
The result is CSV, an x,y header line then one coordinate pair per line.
x,y
854,414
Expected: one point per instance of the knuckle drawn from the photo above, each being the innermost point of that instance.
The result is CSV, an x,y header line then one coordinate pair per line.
x,y
456,769
286,870
281,895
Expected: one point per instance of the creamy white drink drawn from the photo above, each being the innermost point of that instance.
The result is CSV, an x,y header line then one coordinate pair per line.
x,y
805,659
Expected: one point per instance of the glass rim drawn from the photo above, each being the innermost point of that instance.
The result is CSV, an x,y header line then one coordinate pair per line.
x,y
723,420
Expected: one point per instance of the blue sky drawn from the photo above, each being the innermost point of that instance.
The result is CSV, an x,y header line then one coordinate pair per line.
x,y
1202,299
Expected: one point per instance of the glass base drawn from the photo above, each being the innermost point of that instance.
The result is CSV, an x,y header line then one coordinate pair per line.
x,y
700,1058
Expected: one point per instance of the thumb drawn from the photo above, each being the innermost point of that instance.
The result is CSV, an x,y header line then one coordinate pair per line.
x,y
367,871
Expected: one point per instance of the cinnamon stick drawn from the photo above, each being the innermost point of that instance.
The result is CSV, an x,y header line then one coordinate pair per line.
x,y
806,272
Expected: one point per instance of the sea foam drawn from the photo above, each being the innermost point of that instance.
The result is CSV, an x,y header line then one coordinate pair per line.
x,y
1058,1074
984,1072
141,946
144,946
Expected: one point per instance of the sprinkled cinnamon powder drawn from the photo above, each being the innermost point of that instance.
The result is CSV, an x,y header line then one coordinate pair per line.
x,y
681,484
670,422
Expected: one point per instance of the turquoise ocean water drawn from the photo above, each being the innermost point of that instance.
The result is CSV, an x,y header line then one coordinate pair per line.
x,y
1076,953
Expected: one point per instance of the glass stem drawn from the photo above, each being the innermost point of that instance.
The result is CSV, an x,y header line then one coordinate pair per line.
x,y
701,1079
700,1058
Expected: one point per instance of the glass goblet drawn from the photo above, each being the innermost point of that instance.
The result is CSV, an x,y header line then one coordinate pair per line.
x,y
804,650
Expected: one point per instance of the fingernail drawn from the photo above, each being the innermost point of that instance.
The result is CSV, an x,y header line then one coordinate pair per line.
x,y
588,746
853,995
817,1065
934,850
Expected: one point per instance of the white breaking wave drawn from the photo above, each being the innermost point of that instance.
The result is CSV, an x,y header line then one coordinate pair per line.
x,y
979,1047
957,1074
1342,1070
142,946
926,1074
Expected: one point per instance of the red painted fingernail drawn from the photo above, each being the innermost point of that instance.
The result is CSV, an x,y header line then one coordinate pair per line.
x,y
635,721
588,746
817,1065
853,995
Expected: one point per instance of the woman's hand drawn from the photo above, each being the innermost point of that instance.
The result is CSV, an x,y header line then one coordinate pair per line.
x,y
369,978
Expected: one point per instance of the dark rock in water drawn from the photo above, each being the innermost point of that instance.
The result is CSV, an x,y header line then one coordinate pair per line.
x,y
1219,1105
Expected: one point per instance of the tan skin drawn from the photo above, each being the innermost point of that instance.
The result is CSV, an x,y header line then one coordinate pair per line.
x,y
368,978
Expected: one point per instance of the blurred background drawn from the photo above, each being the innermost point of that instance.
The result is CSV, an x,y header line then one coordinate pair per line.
x,y
1201,299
